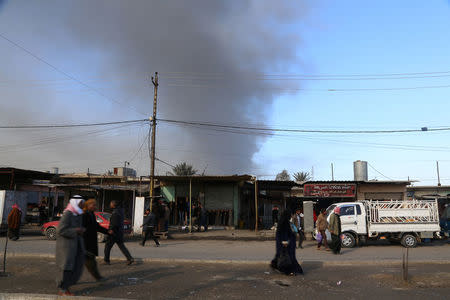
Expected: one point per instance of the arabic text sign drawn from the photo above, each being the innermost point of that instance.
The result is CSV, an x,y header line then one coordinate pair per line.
x,y
329,190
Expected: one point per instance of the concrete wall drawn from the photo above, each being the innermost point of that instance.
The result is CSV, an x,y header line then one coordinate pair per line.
x,y
7,199
387,189
138,215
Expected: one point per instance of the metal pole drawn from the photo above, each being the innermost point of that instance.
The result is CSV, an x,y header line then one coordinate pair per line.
x,y
439,178
4,256
152,158
256,204
190,205
332,172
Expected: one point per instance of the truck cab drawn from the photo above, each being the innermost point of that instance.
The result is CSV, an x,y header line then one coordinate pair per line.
x,y
353,221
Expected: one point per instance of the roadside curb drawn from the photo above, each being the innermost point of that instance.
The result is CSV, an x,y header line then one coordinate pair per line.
x,y
7,296
335,263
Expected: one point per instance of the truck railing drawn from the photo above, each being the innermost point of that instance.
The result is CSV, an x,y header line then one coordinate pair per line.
x,y
402,211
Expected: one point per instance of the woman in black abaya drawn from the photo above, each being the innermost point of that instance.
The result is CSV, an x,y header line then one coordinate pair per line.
x,y
285,260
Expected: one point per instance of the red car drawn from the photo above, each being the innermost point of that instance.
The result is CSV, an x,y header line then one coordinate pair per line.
x,y
49,228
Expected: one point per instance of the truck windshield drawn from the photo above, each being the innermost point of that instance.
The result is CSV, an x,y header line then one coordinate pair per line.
x,y
330,209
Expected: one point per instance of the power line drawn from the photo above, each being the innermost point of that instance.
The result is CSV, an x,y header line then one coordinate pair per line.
x,y
166,163
65,73
140,147
267,129
304,75
70,125
379,172
306,78
324,90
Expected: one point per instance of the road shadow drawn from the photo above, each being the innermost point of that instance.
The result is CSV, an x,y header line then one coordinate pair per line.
x,y
134,278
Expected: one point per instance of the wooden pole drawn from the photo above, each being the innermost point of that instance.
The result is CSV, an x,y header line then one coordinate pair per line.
x,y
152,154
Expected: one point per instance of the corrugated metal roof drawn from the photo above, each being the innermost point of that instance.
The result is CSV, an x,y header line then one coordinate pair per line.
x,y
197,178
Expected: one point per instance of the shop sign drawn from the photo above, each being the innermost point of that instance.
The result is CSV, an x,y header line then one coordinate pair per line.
x,y
329,190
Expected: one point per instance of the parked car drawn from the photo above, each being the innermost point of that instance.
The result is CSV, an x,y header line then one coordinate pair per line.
x,y
49,228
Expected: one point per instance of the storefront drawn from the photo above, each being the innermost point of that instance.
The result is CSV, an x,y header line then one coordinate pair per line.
x,y
325,193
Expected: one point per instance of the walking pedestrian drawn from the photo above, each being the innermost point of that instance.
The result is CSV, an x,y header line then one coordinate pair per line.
x,y
335,230
166,216
285,260
322,226
149,224
298,222
14,220
90,238
70,245
116,234
204,217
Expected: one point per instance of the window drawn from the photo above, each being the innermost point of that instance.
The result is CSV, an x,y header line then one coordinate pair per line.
x,y
347,210
358,209
330,209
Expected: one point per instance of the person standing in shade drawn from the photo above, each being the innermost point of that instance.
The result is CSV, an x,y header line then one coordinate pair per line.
x,y
322,225
335,229
14,219
70,251
116,234
275,215
298,222
90,237
148,226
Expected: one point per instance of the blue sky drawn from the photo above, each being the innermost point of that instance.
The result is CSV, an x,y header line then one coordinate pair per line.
x,y
115,49
355,37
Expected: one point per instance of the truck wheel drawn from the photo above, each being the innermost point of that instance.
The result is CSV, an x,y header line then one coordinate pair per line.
x,y
409,241
100,237
348,240
51,233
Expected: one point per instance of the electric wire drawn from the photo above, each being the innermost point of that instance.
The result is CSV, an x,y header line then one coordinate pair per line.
x,y
267,129
380,172
70,125
66,74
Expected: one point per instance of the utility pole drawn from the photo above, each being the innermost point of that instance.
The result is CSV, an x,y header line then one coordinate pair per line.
x,y
125,167
439,177
153,123
332,172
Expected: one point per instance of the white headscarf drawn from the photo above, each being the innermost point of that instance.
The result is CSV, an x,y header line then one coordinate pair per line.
x,y
74,205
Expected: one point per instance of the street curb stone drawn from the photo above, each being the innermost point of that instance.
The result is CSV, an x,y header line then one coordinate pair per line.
x,y
337,263
7,296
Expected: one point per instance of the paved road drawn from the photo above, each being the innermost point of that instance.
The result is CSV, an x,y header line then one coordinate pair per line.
x,y
253,251
212,281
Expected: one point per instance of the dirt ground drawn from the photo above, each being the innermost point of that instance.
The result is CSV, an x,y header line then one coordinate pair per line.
x,y
231,281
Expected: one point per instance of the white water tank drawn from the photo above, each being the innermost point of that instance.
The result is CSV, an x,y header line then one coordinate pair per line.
x,y
360,170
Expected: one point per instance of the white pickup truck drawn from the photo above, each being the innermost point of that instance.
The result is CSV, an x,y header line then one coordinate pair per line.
x,y
407,221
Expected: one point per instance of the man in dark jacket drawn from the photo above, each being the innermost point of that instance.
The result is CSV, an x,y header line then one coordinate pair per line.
x,y
335,229
90,237
116,234
149,225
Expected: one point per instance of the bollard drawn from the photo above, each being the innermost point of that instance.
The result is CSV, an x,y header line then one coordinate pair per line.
x,y
405,265
4,274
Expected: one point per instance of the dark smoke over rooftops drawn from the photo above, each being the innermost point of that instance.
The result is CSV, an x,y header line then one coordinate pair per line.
x,y
208,53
